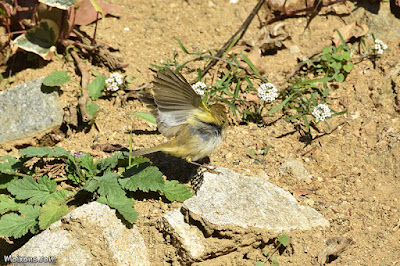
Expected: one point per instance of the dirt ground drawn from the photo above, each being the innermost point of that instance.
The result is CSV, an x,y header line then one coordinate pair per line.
x,y
356,180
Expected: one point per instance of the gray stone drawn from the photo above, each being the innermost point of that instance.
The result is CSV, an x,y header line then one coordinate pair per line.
x,y
231,211
228,198
28,109
295,169
190,238
89,235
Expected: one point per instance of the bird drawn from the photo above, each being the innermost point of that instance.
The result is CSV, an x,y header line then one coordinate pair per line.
x,y
195,129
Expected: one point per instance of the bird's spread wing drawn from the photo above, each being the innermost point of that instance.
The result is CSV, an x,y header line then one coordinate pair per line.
x,y
176,101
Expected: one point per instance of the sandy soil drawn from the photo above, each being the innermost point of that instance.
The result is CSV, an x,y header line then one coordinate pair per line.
x,y
355,168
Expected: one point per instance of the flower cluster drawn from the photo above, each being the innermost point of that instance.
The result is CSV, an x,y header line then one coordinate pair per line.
x,y
321,112
380,46
199,88
114,82
267,92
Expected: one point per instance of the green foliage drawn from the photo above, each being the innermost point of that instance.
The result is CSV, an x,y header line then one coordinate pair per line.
x,y
283,240
96,87
32,203
56,78
335,62
92,110
40,39
14,225
175,191
60,4
142,177
51,212
146,116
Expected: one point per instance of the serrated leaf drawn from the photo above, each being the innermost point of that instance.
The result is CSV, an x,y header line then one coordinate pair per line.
x,y
110,162
36,192
284,240
60,4
175,191
44,152
56,78
14,225
96,87
143,177
123,205
8,164
39,39
88,163
108,184
146,116
51,212
6,180
8,204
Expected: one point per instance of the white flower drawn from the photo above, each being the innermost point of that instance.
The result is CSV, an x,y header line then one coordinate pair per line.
x,y
114,82
267,92
199,88
380,46
321,112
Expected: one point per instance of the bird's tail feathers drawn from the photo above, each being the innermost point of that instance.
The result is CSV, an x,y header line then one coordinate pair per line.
x,y
144,151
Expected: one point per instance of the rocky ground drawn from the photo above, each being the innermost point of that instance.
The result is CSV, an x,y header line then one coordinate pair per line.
x,y
354,169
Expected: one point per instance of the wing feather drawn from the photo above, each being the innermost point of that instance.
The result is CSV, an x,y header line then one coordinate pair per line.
x,y
176,101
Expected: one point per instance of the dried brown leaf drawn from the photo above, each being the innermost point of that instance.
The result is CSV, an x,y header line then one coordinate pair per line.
x,y
352,30
87,14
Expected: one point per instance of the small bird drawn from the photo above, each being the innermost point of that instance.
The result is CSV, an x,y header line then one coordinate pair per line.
x,y
196,130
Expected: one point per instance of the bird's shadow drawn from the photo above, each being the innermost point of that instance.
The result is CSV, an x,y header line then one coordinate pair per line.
x,y
175,168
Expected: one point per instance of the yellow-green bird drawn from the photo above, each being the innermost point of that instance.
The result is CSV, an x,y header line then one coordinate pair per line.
x,y
196,130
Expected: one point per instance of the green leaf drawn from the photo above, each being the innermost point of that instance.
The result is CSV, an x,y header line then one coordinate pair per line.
x,y
252,152
44,152
260,263
110,162
106,185
266,150
346,56
293,117
56,78
327,50
96,87
4,9
92,110
39,39
348,67
251,65
60,4
143,177
51,212
340,77
14,225
146,116
6,180
123,205
182,47
98,8
87,162
175,191
276,108
284,240
8,165
8,204
37,192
